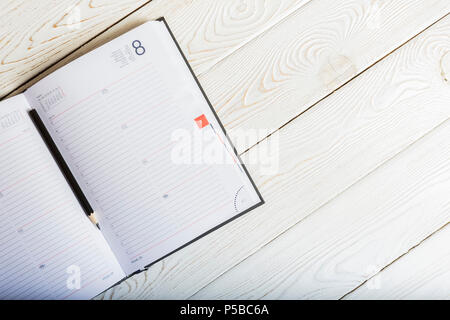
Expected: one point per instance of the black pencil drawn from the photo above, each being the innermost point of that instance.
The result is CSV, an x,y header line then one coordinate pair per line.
x,y
76,189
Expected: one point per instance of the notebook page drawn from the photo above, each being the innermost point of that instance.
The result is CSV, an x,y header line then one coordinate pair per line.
x,y
49,249
128,118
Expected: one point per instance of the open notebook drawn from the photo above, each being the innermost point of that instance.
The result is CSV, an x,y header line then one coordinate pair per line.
x,y
118,116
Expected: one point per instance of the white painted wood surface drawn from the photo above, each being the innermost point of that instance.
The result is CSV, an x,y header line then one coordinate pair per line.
x,y
36,34
322,153
208,31
355,235
263,63
286,70
424,273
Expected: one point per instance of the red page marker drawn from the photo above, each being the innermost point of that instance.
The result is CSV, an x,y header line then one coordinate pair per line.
x,y
201,121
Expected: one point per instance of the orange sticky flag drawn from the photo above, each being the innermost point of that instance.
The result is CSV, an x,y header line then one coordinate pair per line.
x,y
201,121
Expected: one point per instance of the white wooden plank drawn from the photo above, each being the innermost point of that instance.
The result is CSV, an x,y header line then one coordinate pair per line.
x,y
207,30
354,236
424,273
315,49
322,153
36,34
309,55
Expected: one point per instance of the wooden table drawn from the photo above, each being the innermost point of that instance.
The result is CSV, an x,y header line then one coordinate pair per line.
x,y
356,95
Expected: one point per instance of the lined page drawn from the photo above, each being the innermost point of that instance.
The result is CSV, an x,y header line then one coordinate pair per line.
x,y
128,118
49,249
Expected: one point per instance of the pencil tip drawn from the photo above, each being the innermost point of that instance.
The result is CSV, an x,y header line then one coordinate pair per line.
x,y
98,226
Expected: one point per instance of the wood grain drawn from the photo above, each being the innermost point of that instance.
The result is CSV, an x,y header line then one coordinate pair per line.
x,y
207,30
36,34
308,56
424,273
307,52
353,237
322,153
215,29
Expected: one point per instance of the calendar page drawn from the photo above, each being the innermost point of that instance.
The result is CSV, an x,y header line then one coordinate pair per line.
x,y
49,249
144,144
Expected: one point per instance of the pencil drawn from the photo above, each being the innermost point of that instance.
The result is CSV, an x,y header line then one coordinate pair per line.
x,y
76,189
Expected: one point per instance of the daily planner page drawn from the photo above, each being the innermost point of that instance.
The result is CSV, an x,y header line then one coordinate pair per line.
x,y
49,249
143,143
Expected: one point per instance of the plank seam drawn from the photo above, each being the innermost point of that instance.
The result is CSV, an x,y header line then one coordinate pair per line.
x,y
216,61
346,83
328,201
74,50
264,30
406,148
428,237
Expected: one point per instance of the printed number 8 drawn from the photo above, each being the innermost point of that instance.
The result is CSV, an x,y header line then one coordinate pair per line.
x,y
138,48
